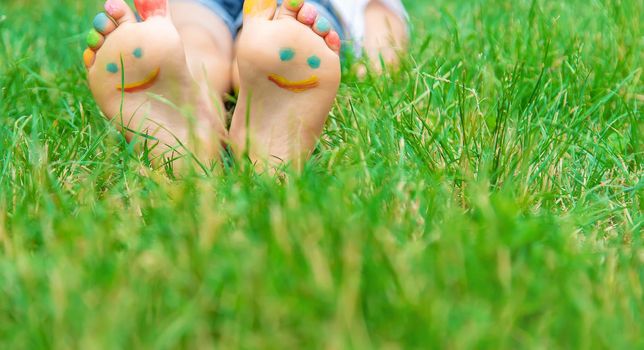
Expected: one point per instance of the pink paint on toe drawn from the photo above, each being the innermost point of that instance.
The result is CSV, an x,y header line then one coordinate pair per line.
x,y
149,8
308,14
113,8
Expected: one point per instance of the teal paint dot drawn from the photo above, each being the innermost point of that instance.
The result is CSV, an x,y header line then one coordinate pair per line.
x,y
323,25
286,54
138,52
112,68
314,62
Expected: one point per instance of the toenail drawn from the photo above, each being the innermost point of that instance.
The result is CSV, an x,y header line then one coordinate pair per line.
x,y
314,62
286,54
308,14
138,52
88,57
150,8
322,24
93,38
256,7
100,22
112,6
295,4
112,68
333,40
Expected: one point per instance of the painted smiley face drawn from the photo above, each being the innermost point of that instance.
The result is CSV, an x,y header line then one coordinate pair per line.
x,y
286,55
137,86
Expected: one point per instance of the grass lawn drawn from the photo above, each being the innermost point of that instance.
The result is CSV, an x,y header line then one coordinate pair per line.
x,y
488,195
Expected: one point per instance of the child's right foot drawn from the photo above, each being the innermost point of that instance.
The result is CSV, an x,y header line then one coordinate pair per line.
x,y
289,76
140,79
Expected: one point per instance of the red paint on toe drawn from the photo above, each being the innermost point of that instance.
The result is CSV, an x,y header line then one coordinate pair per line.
x,y
333,40
149,8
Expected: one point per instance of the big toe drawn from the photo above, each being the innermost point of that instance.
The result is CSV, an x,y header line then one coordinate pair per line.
x,y
120,11
259,9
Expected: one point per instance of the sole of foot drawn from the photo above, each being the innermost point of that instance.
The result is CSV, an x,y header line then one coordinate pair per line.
x,y
289,66
139,76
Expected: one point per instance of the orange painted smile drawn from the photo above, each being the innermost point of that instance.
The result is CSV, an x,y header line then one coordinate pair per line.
x,y
141,85
295,86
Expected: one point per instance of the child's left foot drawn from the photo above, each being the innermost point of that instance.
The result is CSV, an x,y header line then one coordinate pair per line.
x,y
139,76
289,76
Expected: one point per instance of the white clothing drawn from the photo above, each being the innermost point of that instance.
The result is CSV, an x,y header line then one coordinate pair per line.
x,y
352,16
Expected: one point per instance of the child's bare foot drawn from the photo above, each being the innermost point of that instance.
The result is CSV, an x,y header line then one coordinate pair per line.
x,y
140,79
289,74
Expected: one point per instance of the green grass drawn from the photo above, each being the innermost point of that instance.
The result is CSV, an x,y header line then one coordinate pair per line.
x,y
489,195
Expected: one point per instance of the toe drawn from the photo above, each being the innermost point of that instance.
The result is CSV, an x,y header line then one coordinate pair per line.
x,y
307,14
88,57
104,24
259,9
120,11
95,39
322,26
149,8
333,41
290,8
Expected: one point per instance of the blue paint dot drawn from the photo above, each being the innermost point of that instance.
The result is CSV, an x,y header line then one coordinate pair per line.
x,y
138,52
112,68
286,54
314,62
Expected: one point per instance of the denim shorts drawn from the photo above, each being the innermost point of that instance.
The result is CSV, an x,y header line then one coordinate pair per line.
x,y
230,11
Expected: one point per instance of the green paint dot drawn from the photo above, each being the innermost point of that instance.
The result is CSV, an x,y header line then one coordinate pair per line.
x,y
314,62
93,38
295,3
138,52
286,54
112,68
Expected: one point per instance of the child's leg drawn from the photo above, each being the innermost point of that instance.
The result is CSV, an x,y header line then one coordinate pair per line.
x,y
289,69
140,78
208,43
385,34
